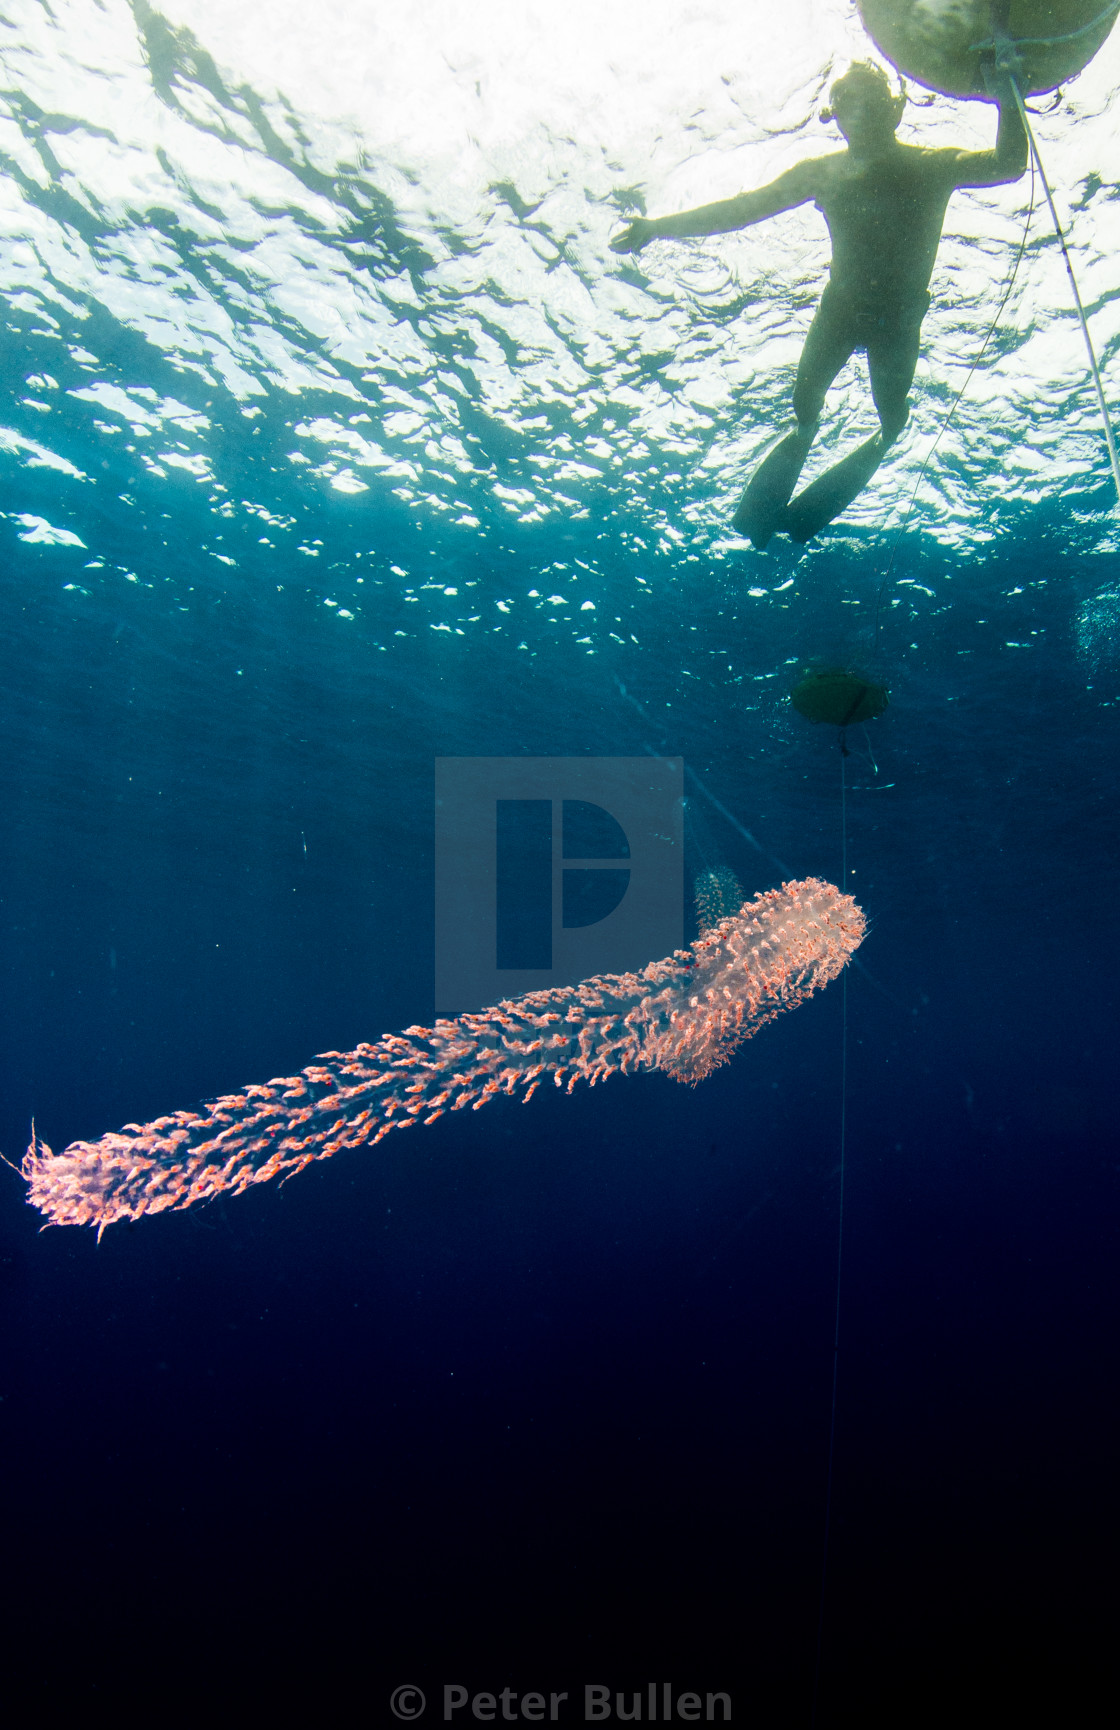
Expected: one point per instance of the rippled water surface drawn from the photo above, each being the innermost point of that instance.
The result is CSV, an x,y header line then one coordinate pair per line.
x,y
287,286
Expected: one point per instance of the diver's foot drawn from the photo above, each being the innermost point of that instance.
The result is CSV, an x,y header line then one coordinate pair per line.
x,y
825,498
761,511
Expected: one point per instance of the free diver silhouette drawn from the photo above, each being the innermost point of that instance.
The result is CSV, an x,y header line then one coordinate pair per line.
x,y
884,204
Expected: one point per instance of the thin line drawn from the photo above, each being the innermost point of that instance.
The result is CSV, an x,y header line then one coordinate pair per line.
x,y
1047,41
839,1252
786,870
1093,367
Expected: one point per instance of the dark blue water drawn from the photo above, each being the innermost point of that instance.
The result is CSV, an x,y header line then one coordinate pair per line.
x,y
544,1394
541,1398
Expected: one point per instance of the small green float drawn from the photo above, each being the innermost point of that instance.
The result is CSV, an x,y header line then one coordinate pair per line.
x,y
838,697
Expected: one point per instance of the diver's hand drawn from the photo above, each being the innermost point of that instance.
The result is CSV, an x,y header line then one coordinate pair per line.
x,y
1001,68
633,236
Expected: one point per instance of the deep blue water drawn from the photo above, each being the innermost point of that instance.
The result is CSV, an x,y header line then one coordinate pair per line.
x,y
545,1393
541,1397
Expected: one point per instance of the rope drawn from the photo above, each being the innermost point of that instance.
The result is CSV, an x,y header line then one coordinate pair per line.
x,y
839,1245
1110,11
1093,367
1036,164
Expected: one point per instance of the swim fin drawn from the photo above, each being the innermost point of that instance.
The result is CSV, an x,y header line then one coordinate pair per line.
x,y
761,510
832,492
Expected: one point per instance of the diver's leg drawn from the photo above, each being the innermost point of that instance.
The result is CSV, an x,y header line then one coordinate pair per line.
x,y
761,509
830,344
891,359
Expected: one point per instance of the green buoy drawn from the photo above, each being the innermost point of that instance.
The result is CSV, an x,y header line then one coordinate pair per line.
x,y
838,697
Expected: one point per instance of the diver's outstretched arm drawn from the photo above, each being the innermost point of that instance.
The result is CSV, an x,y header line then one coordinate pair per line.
x,y
1008,160
796,186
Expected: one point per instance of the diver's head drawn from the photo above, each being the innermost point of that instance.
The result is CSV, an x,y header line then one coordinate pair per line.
x,y
864,107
